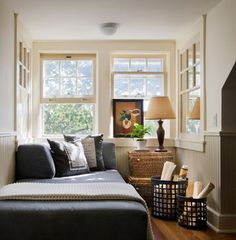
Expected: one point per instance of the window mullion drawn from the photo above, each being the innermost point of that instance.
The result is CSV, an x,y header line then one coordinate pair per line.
x,y
60,79
77,79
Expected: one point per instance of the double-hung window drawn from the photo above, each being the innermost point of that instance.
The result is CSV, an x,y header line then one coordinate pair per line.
x,y
139,76
68,93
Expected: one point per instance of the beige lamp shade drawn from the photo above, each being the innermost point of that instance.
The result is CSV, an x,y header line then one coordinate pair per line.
x,y
195,114
159,108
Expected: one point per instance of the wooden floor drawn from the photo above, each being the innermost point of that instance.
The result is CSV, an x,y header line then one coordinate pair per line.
x,y
169,230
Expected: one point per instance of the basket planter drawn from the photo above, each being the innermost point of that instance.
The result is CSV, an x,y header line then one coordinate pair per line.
x,y
192,213
165,197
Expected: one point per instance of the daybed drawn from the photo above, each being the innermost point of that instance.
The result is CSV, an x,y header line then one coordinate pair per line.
x,y
74,219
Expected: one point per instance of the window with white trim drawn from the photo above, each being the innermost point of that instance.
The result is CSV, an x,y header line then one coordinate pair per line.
x,y
68,93
190,93
141,77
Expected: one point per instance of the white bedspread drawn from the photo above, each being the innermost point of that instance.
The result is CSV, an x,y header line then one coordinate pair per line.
x,y
79,191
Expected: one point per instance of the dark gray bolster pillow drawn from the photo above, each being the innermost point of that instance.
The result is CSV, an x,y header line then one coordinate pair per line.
x,y
109,155
34,161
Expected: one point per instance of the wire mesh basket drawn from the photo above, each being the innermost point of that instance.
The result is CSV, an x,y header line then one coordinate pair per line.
x,y
165,197
192,213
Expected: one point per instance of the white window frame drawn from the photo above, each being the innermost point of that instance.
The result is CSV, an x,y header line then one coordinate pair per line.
x,y
68,100
164,56
192,141
139,56
82,99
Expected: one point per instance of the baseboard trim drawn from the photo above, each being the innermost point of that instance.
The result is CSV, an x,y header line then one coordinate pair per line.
x,y
221,223
220,230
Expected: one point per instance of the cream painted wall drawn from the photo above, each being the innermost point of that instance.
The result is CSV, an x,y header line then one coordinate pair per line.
x,y
6,68
220,56
216,163
103,49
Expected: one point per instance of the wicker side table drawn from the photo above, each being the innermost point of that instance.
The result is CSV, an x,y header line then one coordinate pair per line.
x,y
144,165
147,164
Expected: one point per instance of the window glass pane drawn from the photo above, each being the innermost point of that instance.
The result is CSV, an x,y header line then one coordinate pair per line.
x,y
183,78
68,87
190,78
155,86
197,52
52,87
190,114
137,65
155,65
68,119
121,64
136,86
50,68
184,60
85,87
74,79
190,56
197,74
153,125
85,68
121,86
68,68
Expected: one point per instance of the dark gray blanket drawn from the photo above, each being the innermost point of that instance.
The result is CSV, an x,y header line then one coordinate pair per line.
x,y
102,176
74,220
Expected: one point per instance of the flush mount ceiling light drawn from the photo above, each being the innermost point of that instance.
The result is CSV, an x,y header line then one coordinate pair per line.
x,y
109,28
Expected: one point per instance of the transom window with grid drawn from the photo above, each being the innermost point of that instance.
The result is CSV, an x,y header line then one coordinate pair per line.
x,y
138,76
141,77
67,93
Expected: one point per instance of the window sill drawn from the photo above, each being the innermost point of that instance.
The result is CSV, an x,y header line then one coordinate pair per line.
x,y
129,142
191,144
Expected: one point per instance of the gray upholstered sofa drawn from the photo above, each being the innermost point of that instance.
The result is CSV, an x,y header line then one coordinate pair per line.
x,y
77,220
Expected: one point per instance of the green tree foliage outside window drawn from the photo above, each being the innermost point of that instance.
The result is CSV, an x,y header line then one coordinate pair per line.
x,y
68,119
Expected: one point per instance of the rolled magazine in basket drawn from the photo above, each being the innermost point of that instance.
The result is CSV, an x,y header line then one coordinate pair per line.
x,y
167,171
197,188
203,194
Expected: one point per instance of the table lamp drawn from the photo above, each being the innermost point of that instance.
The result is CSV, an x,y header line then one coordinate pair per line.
x,y
160,108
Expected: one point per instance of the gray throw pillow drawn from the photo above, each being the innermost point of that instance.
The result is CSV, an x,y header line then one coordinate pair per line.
x,y
93,150
69,159
34,161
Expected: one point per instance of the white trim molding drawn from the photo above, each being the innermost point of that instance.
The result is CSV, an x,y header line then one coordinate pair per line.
x,y
151,142
206,133
195,145
221,223
7,134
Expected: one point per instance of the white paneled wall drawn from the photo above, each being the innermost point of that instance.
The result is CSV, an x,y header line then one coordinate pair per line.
x,y
204,166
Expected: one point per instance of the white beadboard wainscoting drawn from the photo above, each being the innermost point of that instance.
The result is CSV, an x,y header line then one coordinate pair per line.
x,y
7,157
217,165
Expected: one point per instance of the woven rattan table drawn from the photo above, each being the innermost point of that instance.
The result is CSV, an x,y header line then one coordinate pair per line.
x,y
144,165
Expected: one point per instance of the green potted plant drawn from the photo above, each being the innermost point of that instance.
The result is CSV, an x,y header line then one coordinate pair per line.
x,y
139,132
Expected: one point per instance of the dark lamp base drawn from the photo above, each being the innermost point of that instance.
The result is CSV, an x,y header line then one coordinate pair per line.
x,y
160,150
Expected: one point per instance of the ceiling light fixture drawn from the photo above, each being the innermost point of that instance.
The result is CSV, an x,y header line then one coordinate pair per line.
x,y
109,28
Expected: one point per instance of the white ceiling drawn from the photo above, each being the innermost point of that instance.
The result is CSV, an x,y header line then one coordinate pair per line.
x,y
80,19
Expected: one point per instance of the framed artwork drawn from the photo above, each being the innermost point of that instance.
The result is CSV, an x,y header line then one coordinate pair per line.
x,y
126,112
